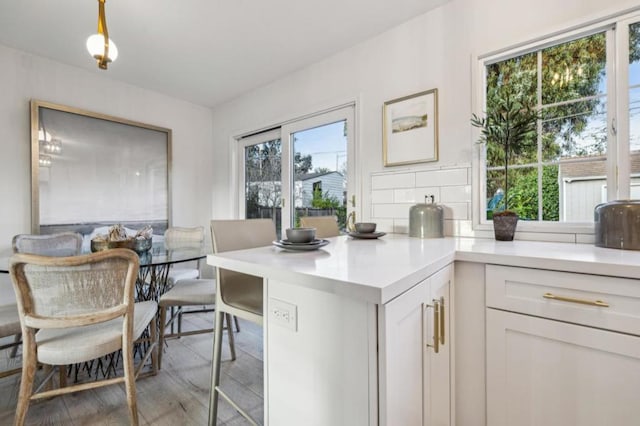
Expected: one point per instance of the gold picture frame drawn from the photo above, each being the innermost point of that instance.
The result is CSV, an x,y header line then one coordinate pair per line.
x,y
90,169
410,129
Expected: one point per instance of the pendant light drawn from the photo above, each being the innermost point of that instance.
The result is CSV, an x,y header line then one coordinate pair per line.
x,y
99,45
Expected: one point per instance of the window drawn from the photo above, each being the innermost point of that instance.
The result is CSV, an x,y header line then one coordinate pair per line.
x,y
585,148
317,189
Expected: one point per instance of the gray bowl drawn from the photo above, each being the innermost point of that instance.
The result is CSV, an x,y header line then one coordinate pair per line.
x,y
301,235
365,227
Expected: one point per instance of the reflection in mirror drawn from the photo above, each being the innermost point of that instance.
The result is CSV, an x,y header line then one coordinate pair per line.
x,y
91,170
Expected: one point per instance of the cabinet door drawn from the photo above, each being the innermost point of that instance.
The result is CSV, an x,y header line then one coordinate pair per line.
x,y
437,366
401,362
545,372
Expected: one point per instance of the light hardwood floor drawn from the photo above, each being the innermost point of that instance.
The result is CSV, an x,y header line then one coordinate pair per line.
x,y
178,395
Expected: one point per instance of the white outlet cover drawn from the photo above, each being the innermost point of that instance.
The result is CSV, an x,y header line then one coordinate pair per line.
x,y
283,313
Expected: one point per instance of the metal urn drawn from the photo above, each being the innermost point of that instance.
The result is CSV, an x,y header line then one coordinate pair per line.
x,y
426,220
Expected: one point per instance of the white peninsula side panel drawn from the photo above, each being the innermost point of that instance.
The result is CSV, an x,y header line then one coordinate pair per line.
x,y
320,359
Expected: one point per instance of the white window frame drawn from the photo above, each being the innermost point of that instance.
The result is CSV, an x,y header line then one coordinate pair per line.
x,y
242,144
618,166
347,110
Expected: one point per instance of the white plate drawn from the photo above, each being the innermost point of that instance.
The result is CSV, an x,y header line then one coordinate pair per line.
x,y
301,246
310,243
367,235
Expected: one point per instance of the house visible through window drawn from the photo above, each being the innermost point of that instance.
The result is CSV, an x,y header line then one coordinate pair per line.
x,y
299,168
563,170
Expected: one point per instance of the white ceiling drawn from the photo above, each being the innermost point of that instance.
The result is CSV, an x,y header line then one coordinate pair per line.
x,y
203,51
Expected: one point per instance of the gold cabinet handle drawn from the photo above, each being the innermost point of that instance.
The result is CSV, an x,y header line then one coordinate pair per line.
x,y
599,303
436,325
442,320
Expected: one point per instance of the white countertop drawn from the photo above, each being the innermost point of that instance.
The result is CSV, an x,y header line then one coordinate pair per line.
x,y
378,270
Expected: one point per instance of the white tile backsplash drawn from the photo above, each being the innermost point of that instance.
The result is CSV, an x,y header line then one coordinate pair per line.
x,y
384,225
421,192
449,177
392,181
458,211
404,195
456,194
401,226
393,194
464,228
391,211
382,196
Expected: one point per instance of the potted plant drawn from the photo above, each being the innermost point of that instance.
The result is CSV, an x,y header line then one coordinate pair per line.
x,y
509,124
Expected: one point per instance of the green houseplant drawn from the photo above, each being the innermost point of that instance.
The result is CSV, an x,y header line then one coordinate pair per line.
x,y
509,125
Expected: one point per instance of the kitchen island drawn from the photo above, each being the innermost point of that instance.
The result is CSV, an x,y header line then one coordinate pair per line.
x,y
350,328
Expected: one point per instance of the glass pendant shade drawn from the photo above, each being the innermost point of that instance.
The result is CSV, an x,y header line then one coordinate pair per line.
x,y
95,46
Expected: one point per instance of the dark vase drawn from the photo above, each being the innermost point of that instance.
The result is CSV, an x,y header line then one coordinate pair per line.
x,y
504,227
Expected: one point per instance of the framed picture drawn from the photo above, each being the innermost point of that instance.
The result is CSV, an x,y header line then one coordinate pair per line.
x,y
90,170
410,129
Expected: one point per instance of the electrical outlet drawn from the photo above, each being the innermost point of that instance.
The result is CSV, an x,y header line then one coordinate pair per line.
x,y
283,313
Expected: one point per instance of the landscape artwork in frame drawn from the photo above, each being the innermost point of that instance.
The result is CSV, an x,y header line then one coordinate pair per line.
x,y
410,129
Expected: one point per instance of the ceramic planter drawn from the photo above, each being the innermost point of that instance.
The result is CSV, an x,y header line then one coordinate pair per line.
x,y
504,227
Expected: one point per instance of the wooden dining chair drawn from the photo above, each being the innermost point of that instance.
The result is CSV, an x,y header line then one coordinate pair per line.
x,y
177,237
75,309
326,226
189,293
59,244
236,293
187,289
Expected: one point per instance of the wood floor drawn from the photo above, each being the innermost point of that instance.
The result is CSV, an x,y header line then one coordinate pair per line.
x,y
178,395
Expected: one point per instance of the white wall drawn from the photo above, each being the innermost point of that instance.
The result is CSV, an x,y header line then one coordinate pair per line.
x,y
434,50
24,77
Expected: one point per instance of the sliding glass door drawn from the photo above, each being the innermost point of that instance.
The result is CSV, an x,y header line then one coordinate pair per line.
x,y
261,176
305,167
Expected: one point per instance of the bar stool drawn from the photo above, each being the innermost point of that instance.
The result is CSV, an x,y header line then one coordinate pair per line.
x,y
237,294
326,226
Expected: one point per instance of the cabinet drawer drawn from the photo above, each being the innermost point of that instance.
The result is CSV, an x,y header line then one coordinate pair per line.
x,y
566,296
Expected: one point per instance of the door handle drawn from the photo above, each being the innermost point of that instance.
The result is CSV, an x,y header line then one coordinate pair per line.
x,y
436,326
442,320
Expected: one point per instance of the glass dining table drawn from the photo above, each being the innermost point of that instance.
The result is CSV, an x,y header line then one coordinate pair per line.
x,y
154,267
151,283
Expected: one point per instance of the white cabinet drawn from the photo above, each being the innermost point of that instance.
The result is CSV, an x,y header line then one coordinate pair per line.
x,y
559,348
437,365
415,355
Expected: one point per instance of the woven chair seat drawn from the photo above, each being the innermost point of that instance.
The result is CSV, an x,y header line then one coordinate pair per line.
x,y
90,341
190,292
181,274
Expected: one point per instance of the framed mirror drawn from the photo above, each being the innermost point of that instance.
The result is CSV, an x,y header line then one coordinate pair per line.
x,y
91,170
